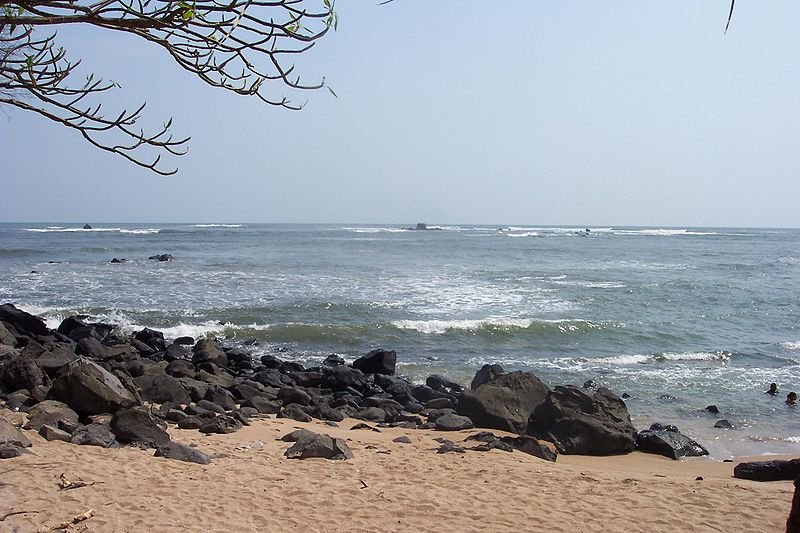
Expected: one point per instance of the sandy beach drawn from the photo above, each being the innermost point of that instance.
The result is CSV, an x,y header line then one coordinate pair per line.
x,y
388,486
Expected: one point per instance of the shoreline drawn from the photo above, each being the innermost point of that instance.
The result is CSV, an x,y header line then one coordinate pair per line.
x,y
387,486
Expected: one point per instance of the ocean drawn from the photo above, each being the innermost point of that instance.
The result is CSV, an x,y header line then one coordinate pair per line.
x,y
677,318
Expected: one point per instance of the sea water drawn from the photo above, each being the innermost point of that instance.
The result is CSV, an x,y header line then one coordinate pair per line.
x,y
677,318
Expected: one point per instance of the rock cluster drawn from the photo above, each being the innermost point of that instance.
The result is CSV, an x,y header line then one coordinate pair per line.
x,y
84,384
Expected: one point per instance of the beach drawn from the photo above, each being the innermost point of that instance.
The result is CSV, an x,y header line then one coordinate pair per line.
x,y
388,486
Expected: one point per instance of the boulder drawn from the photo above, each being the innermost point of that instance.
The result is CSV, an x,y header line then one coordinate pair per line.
x,y
669,442
584,425
377,361
221,397
9,451
319,445
326,412
182,452
6,338
56,358
297,434
179,368
372,414
505,403
50,433
10,434
208,351
22,372
151,338
176,351
161,388
333,360
24,323
94,435
452,422
221,424
211,407
532,446
341,378
139,426
263,405
295,412
486,374
424,394
443,384
51,413
777,470
90,389
292,395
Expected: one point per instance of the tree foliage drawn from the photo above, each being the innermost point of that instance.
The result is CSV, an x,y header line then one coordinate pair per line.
x,y
243,46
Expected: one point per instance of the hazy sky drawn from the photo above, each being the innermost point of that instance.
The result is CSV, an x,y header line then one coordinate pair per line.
x,y
526,112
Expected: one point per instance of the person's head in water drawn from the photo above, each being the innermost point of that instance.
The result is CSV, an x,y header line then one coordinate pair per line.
x,y
791,398
773,389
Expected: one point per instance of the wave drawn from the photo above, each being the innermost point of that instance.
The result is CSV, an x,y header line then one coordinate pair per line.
x,y
62,229
496,325
217,225
522,234
376,230
644,359
665,232
791,345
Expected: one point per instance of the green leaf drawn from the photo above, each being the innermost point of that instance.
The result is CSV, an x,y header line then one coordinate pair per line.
x,y
188,14
327,3
20,10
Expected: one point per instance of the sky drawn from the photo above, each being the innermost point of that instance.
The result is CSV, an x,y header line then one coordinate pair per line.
x,y
570,112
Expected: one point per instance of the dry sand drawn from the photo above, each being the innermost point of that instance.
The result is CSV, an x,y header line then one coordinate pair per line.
x,y
389,486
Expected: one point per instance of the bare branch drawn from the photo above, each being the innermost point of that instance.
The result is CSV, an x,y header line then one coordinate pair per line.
x,y
241,46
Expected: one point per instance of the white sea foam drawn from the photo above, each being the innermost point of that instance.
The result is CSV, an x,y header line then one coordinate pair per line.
x,y
376,230
217,225
438,327
591,284
522,234
148,231
791,345
61,229
665,232
196,331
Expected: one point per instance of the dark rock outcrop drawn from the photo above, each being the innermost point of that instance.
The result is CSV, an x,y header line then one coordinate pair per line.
x,y
777,470
319,445
10,434
584,425
138,425
160,388
453,422
51,413
486,374
90,389
505,403
182,452
377,361
669,442
221,424
24,323
94,435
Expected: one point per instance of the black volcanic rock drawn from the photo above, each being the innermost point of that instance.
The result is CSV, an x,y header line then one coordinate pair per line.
x,y
584,425
669,442
505,403
378,361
